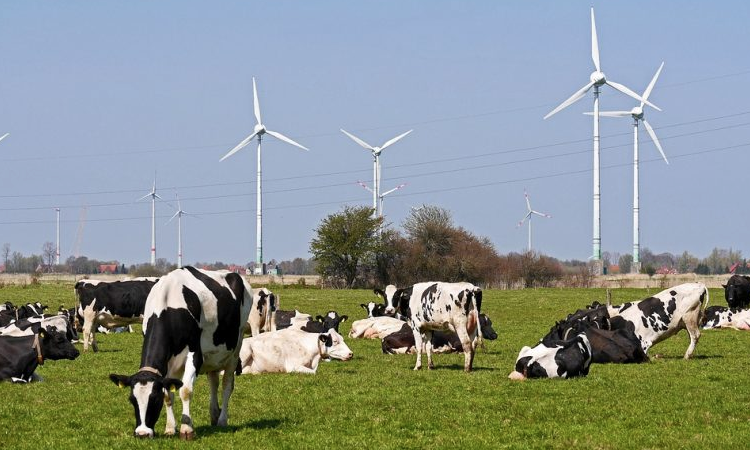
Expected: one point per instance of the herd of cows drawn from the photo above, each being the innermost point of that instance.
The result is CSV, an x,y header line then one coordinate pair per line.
x,y
195,321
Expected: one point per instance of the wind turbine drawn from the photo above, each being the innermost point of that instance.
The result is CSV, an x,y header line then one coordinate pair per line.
x,y
638,116
375,165
381,196
4,136
596,80
528,216
258,131
153,196
179,215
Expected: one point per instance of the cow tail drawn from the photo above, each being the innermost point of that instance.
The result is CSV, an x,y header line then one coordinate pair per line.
x,y
477,309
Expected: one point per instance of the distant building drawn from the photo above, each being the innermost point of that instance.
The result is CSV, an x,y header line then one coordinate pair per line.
x,y
2,268
109,268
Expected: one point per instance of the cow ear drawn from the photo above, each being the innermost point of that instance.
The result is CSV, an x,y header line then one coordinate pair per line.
x,y
344,317
319,318
120,380
724,286
172,384
379,293
326,339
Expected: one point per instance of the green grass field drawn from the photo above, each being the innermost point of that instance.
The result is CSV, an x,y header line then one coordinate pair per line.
x,y
377,401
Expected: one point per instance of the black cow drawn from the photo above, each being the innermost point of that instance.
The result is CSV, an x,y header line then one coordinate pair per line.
x,y
110,304
322,324
737,292
20,356
193,323
402,341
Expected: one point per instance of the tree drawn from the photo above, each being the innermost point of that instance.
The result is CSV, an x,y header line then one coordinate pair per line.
x,y
344,242
6,254
687,263
48,254
626,263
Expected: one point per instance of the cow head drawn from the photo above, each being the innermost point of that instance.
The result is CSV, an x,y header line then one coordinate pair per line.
x,y
485,325
568,359
55,345
737,292
397,300
332,346
147,391
373,309
332,320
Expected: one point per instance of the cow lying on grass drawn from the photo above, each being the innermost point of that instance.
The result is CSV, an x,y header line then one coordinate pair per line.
x,y
402,341
723,317
20,356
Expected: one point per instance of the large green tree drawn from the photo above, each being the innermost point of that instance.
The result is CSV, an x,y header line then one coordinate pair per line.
x,y
345,245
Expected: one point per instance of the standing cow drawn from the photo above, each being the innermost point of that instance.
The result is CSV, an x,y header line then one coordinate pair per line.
x,y
439,306
193,324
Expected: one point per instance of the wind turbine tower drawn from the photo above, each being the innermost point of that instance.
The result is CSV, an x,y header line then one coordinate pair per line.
x,y
179,215
153,196
258,131
530,212
381,196
57,246
376,197
596,80
638,116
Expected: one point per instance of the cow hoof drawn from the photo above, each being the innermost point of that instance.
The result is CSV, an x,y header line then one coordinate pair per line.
x,y
431,367
169,432
187,435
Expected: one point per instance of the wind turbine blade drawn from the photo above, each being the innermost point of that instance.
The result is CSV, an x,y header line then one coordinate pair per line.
x,y
541,214
647,92
625,90
256,104
357,140
4,136
364,185
655,139
170,219
239,146
594,43
524,219
573,98
280,136
156,195
528,203
611,113
145,196
394,189
394,140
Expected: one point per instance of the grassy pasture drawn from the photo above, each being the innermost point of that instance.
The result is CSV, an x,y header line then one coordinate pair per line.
x,y
377,401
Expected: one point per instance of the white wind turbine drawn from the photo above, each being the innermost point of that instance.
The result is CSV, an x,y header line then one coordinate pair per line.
x,y
153,196
381,196
596,80
638,116
4,136
258,132
528,215
179,215
375,166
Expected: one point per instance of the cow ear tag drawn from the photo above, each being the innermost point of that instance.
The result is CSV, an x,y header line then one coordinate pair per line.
x,y
120,384
172,388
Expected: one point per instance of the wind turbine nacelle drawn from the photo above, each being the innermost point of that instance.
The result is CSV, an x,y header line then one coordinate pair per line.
x,y
637,112
598,78
260,129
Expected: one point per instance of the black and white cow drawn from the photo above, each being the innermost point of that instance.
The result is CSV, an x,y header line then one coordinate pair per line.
x,y
663,315
111,305
322,324
723,317
32,325
440,306
402,341
286,319
22,312
193,324
20,356
737,291
564,359
262,317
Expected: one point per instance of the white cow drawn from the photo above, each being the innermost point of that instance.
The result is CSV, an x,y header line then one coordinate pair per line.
x,y
439,306
290,350
375,327
262,317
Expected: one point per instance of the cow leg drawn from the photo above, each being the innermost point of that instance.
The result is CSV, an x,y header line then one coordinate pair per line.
x,y
428,346
186,394
468,346
303,369
418,347
171,428
89,317
213,402
694,330
227,385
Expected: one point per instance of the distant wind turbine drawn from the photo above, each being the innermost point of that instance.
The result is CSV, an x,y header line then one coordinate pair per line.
x,y
637,114
528,215
153,196
375,165
381,196
596,80
258,131
179,215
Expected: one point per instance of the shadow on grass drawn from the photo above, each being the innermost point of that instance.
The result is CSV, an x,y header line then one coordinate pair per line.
x,y
678,357
460,367
262,424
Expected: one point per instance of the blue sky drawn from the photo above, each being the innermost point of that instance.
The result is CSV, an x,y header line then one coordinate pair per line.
x,y
99,95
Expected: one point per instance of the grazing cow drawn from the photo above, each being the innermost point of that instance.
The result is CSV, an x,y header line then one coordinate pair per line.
x,y
402,341
723,317
322,324
288,351
111,305
193,324
737,291
565,359
286,319
20,356
663,315
262,317
439,306
375,327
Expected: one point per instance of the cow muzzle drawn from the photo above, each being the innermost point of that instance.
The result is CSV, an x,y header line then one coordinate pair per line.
x,y
390,311
517,376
